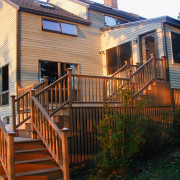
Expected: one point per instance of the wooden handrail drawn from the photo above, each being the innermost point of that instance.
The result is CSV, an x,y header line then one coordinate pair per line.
x,y
119,70
141,67
51,85
55,140
101,77
7,151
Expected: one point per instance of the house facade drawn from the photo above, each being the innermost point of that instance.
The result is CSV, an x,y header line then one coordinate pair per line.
x,y
45,37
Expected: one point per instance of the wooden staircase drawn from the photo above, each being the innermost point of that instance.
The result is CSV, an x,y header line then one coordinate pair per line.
x,y
33,161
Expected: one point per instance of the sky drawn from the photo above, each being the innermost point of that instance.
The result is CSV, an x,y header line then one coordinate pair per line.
x,y
149,8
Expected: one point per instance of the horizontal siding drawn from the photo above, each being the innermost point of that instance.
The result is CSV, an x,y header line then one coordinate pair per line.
x,y
113,38
74,7
8,48
174,68
41,45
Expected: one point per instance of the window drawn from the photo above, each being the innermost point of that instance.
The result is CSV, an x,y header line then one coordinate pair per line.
x,y
68,28
49,69
65,66
112,21
176,46
51,25
117,56
4,85
60,27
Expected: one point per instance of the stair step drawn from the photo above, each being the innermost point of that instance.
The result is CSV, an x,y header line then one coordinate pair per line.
x,y
29,154
35,164
26,133
44,174
28,144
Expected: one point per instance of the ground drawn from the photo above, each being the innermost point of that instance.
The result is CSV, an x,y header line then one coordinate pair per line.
x,y
163,167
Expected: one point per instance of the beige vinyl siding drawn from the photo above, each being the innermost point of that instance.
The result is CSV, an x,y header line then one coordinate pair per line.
x,y
41,45
8,18
174,68
75,7
117,36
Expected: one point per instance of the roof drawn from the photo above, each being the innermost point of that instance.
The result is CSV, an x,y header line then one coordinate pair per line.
x,y
108,10
162,19
35,7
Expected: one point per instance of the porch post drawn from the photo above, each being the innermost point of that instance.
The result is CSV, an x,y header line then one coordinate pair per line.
x,y
46,79
32,93
164,67
10,156
65,153
13,106
154,65
69,86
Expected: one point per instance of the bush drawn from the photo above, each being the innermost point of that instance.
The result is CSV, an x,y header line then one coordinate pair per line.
x,y
119,139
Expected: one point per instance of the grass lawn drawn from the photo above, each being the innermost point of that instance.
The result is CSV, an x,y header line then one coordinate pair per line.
x,y
164,167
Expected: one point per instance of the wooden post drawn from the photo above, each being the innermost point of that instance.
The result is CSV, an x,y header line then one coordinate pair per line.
x,y
32,93
10,156
65,153
154,65
46,79
13,106
164,67
69,85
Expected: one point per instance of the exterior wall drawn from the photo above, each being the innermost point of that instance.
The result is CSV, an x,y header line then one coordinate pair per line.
x,y
78,8
41,45
174,68
8,23
123,34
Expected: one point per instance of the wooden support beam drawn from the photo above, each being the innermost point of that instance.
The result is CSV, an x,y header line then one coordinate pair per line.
x,y
13,112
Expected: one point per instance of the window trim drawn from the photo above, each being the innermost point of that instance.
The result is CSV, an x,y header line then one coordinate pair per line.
x,y
170,35
59,23
7,91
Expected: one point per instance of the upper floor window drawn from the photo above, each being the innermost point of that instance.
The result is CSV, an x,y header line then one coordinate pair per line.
x,y
113,21
4,85
68,28
176,47
60,27
51,25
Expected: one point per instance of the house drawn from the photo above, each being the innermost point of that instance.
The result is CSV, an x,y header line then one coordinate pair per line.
x,y
105,48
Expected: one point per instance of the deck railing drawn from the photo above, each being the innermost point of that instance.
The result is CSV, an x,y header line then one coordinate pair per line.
x,y
55,140
7,151
21,105
88,88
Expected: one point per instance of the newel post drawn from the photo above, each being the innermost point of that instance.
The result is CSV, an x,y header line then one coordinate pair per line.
x,y
65,153
165,67
13,106
69,84
46,79
154,65
10,156
32,93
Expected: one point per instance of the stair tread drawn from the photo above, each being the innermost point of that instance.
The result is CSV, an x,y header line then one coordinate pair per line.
x,y
38,171
24,140
30,150
33,160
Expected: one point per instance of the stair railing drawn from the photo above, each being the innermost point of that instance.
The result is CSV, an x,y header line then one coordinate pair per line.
x,y
55,140
21,104
152,69
7,151
57,95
